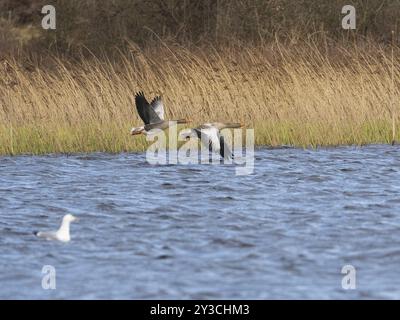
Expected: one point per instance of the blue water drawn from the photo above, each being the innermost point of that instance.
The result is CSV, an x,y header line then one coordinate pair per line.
x,y
200,231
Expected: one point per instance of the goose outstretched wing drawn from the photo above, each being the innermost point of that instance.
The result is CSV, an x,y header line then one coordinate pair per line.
x,y
145,110
209,137
224,150
158,106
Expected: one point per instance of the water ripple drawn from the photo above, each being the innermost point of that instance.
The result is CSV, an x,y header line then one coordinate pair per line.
x,y
200,231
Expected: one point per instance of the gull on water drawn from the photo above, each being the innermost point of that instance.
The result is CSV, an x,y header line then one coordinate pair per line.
x,y
62,234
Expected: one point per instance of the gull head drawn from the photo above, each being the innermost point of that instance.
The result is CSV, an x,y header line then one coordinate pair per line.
x,y
69,218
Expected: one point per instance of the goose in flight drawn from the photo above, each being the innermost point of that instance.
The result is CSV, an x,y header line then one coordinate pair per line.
x,y
209,135
152,115
62,234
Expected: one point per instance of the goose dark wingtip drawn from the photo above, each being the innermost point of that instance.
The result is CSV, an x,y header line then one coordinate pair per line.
x,y
139,94
156,99
140,98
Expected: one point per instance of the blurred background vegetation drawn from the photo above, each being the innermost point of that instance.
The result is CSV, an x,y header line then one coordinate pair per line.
x,y
105,25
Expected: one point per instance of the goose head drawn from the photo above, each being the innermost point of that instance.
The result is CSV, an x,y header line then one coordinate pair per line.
x,y
186,134
138,130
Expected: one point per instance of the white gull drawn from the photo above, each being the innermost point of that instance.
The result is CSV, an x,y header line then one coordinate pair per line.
x,y
62,234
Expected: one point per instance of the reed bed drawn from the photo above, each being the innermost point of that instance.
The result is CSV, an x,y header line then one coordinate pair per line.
x,y
293,95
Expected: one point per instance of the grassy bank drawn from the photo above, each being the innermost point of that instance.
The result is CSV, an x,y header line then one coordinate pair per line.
x,y
297,95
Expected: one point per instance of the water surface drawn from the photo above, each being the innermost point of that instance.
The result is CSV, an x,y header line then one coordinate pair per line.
x,y
200,231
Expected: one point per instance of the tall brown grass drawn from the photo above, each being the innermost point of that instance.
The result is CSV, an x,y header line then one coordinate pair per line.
x,y
298,95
